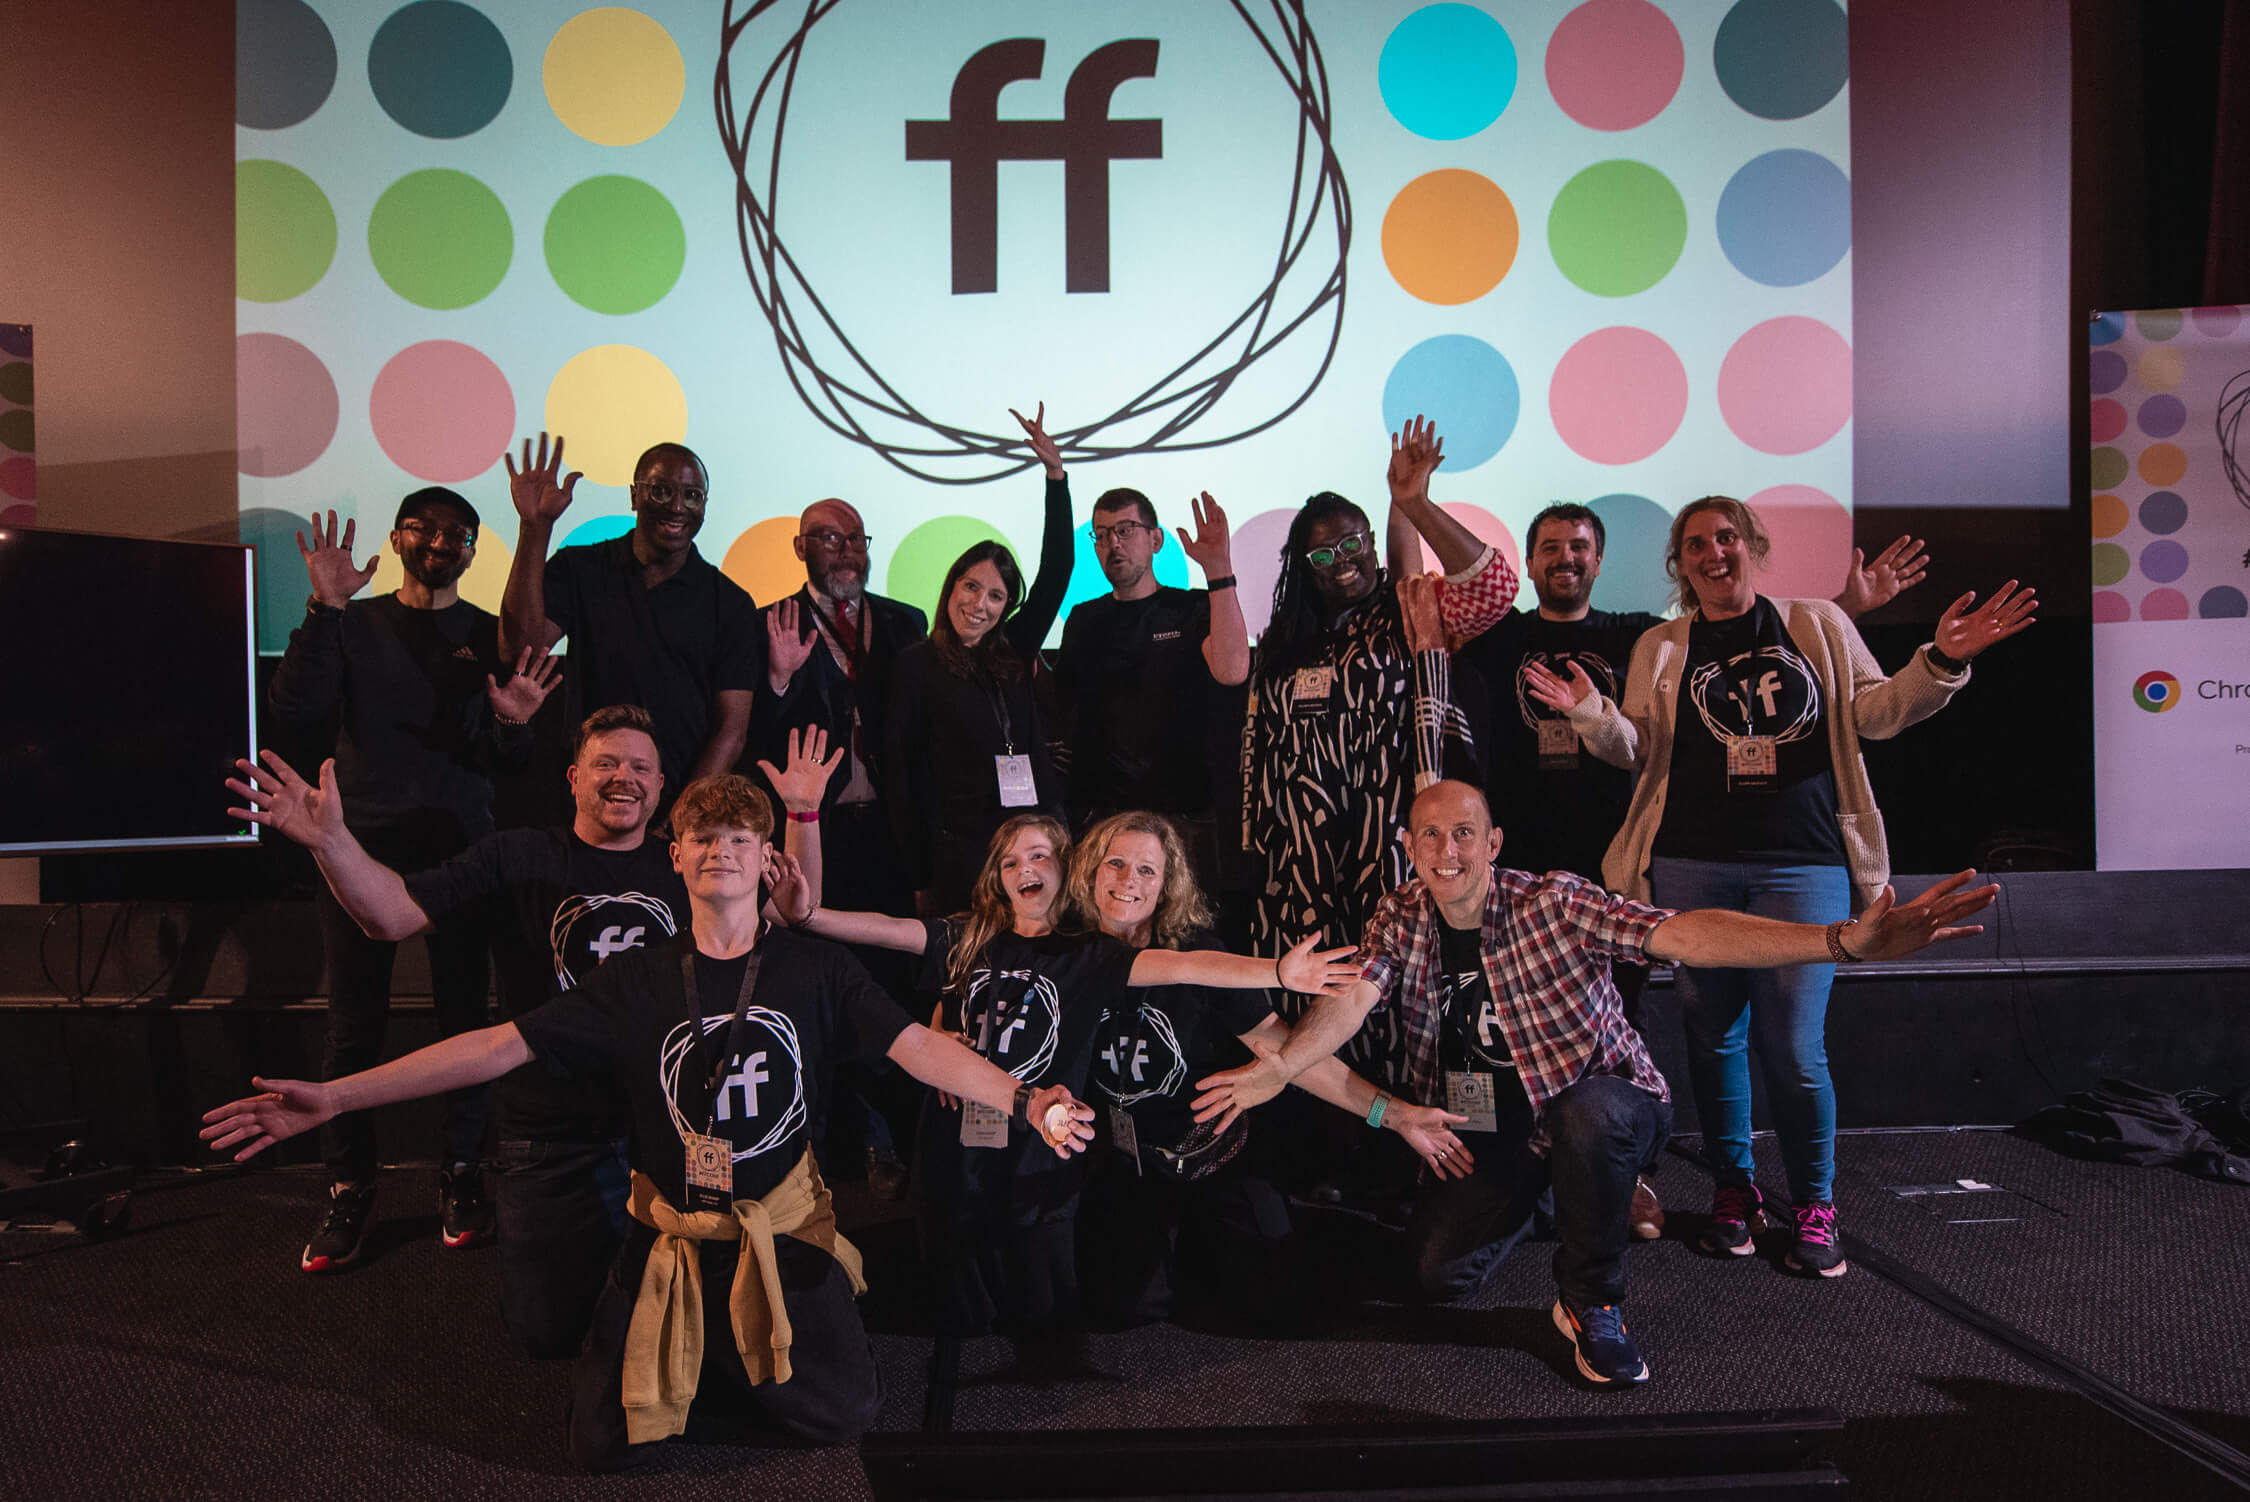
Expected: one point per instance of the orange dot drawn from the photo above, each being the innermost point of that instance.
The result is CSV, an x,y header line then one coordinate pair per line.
x,y
2110,516
2162,463
1450,236
762,561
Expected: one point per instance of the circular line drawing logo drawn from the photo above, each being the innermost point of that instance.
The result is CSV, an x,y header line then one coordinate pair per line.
x,y
2156,691
850,397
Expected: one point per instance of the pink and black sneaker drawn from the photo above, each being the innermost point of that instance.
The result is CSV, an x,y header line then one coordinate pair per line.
x,y
1737,1214
1817,1249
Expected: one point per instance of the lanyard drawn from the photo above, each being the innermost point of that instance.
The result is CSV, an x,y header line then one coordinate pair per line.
x,y
734,1028
855,652
997,696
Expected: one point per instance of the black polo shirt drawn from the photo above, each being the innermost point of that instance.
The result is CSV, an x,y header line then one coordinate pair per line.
x,y
1142,700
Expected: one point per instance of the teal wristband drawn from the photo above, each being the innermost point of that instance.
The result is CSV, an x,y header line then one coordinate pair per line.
x,y
1375,1111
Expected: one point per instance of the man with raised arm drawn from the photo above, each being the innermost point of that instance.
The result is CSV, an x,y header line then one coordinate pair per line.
x,y
723,1041
1500,981
650,620
576,895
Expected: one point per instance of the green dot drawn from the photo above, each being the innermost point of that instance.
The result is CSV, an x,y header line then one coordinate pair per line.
x,y
919,562
440,238
2158,323
2108,468
1617,228
284,232
2110,563
615,244
15,382
15,430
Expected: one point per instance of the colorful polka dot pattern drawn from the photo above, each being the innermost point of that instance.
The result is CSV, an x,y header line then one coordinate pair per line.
x,y
19,466
2170,428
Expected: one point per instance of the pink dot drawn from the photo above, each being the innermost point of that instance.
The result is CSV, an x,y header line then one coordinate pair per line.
x,y
2110,607
1812,542
1786,386
1257,563
1614,64
2107,420
2164,605
20,516
442,411
2217,322
1487,529
19,477
285,405
1618,395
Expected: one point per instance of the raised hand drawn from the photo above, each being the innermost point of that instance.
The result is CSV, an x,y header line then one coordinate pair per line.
x,y
1042,447
805,778
1317,972
328,563
786,650
1869,584
1889,930
540,492
257,1122
1555,691
1418,604
282,801
1231,1092
788,893
1076,1121
1965,632
1212,547
519,698
1415,452
1429,1132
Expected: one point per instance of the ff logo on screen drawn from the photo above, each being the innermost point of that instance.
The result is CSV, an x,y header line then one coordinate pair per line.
x,y
975,140
2156,691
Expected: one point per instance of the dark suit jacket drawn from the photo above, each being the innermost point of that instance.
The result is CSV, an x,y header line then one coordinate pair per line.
x,y
824,694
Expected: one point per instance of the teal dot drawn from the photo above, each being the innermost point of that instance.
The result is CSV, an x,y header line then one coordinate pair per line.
x,y
1464,386
439,68
1617,228
598,529
440,238
1088,582
1636,532
284,232
615,245
1447,71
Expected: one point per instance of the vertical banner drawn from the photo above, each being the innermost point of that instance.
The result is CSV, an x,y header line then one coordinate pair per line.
x,y
19,470
2171,607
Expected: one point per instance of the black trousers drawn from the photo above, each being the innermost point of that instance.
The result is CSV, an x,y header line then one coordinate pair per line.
x,y
359,1007
561,1209
1145,1240
833,1391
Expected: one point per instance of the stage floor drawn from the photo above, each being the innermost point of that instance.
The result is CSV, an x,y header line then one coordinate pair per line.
x,y
2035,1339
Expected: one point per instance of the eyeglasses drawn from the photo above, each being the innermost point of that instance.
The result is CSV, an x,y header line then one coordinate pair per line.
x,y
458,535
664,493
1339,550
831,540
1124,532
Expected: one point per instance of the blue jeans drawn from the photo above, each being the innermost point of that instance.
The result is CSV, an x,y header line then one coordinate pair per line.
x,y
1787,1005
561,1209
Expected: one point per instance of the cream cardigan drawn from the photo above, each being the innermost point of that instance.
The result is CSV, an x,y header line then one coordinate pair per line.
x,y
1861,702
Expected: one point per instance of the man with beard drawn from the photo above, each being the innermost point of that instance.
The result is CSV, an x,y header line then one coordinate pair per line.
x,y
650,621
1149,670
573,897
411,680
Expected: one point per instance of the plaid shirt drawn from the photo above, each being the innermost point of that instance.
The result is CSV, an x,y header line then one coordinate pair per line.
x,y
1547,944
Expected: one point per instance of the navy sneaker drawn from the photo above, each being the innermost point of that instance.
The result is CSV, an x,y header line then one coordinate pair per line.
x,y
464,1214
1606,1352
1817,1249
1737,1214
342,1230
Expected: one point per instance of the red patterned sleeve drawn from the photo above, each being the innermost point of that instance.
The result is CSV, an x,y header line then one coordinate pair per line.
x,y
1475,603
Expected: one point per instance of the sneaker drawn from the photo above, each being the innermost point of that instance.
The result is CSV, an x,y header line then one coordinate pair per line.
x,y
1737,1214
342,1230
1817,1249
1647,1219
886,1175
464,1214
1606,1352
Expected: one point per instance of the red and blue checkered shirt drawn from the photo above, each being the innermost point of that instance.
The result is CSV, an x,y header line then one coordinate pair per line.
x,y
1548,942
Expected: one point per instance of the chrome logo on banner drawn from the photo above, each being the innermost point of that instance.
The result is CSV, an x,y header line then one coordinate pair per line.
x,y
2156,691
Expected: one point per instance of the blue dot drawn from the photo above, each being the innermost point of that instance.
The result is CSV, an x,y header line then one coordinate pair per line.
x,y
2107,328
2162,562
1463,385
2164,512
1088,582
1447,71
440,68
1782,59
1786,218
598,529
2105,372
1635,530
2224,603
284,63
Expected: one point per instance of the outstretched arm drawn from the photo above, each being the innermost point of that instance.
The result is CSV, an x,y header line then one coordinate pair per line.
x,y
1303,968
372,893
955,1070
1887,930
1428,1130
1323,1029
880,930
541,495
284,1108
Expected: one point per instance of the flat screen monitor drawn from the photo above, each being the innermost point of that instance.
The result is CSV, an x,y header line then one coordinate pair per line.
x,y
126,691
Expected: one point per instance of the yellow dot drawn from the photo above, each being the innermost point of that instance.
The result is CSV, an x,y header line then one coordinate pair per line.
x,y
610,403
614,76
2162,369
763,563
480,586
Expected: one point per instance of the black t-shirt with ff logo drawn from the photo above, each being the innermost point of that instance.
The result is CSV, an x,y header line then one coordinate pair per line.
x,y
1157,1041
1469,1038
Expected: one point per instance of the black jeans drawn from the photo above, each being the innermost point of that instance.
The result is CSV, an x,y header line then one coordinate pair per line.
x,y
1603,1132
833,1391
561,1207
359,1006
1142,1236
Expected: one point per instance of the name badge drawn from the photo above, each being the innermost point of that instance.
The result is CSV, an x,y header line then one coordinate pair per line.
x,y
1469,1093
1312,683
1126,1135
1753,764
981,1126
1018,788
710,1172
1558,746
